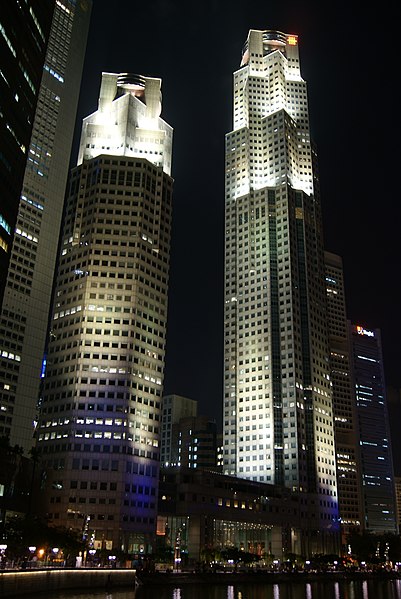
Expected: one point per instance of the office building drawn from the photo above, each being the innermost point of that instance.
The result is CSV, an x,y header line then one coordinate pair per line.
x,y
201,511
344,403
278,412
194,443
28,285
393,395
24,32
100,420
374,430
397,483
174,407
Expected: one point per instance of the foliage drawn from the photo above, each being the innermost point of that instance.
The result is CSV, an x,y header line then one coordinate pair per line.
x,y
371,548
22,532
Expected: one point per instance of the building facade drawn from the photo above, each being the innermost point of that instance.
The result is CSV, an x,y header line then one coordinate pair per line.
x,y
377,473
397,483
100,419
344,404
201,510
174,407
194,443
24,33
278,412
24,313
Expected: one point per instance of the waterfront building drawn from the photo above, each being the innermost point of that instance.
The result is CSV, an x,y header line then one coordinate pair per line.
x,y
174,407
99,428
278,412
374,430
24,312
344,403
24,32
203,510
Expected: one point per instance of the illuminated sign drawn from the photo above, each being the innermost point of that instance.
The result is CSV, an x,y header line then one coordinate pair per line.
x,y
292,40
361,331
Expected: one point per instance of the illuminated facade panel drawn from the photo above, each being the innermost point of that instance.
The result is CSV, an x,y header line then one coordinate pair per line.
x,y
28,286
344,404
378,488
127,121
278,413
100,420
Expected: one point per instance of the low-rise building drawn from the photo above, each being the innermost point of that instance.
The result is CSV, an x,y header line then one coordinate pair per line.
x,y
201,509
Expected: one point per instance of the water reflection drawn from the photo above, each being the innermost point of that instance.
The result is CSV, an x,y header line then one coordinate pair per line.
x,y
336,590
367,589
365,593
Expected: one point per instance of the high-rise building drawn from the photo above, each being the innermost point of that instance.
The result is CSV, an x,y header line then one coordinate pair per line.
x,y
397,484
100,419
378,488
24,313
344,403
393,395
174,407
278,412
24,32
194,443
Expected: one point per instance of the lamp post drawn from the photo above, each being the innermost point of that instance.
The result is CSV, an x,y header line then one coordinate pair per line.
x,y
3,547
32,549
177,550
92,553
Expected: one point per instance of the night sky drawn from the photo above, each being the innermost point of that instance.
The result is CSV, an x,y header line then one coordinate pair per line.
x,y
348,60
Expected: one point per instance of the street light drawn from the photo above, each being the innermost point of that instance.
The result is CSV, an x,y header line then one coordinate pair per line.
x,y
3,547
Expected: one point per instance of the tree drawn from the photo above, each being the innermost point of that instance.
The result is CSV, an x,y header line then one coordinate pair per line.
x,y
22,532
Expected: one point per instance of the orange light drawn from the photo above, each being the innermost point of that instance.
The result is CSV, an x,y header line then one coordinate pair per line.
x,y
292,40
41,552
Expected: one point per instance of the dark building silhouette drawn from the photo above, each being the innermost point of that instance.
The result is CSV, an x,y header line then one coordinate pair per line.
x,y
38,201
349,481
374,430
24,32
194,443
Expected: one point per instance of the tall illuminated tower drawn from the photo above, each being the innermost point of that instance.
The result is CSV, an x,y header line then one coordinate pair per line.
x,y
278,413
100,420
24,311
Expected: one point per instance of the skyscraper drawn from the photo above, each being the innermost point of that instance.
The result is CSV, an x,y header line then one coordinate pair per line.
x,y
174,407
100,421
278,413
28,286
344,404
24,33
378,487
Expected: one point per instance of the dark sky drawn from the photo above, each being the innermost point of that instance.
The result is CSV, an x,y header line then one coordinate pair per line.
x,y
348,60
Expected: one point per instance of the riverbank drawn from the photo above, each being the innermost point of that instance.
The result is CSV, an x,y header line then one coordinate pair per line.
x,y
14,583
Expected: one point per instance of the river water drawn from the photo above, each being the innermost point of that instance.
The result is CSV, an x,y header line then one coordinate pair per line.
x,y
361,589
